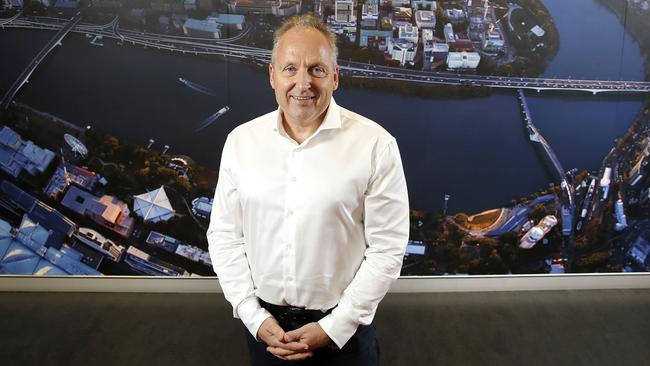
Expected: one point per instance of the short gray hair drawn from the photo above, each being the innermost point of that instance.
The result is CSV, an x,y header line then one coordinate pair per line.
x,y
305,21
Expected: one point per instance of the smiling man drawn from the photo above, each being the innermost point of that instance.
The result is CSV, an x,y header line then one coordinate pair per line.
x,y
310,216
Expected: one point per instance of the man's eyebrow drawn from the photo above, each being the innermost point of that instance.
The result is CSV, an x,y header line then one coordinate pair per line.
x,y
309,66
321,63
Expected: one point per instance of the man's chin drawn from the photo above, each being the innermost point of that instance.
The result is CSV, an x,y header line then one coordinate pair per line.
x,y
302,114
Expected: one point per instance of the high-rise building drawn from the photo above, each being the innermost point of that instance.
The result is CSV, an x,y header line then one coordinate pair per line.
x,y
344,11
202,28
424,4
370,10
403,51
425,19
17,155
449,33
408,32
374,37
463,60
493,39
427,35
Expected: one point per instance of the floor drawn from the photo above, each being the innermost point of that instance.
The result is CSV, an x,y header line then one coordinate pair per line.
x,y
609,327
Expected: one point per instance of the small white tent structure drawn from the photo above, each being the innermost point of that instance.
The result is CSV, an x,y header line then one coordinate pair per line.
x,y
153,206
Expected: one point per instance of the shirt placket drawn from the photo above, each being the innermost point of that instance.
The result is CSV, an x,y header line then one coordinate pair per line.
x,y
290,222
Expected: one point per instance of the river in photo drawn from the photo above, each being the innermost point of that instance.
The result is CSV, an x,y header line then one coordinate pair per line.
x,y
474,149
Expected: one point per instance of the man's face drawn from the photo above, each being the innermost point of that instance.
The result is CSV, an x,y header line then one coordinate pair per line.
x,y
303,76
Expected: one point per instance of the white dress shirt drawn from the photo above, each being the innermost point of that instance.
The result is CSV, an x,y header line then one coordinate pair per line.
x,y
317,225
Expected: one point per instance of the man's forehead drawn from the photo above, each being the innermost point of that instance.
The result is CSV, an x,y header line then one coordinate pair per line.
x,y
296,55
303,32
305,46
297,41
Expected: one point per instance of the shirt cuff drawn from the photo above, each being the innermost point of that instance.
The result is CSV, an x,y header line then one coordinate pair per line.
x,y
339,329
252,315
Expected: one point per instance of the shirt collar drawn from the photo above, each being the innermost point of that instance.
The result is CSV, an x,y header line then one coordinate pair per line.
x,y
332,119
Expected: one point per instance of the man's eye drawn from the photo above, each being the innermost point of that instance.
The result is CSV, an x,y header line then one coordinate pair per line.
x,y
289,69
319,71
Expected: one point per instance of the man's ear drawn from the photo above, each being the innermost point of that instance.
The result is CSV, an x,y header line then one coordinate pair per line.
x,y
271,75
336,77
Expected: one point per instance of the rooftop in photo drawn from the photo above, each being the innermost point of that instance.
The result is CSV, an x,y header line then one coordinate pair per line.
x,y
153,206
107,211
71,174
17,155
26,253
45,215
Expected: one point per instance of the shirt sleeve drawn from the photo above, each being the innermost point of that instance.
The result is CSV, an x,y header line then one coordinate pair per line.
x,y
386,227
226,246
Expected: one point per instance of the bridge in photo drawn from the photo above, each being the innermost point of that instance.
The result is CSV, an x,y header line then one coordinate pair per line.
x,y
24,76
568,204
535,136
229,49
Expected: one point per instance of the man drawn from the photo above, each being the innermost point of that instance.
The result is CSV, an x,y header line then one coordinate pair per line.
x,y
310,217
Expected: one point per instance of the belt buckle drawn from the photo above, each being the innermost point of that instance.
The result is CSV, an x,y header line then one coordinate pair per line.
x,y
297,316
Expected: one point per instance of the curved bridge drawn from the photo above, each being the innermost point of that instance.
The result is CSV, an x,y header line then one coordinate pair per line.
x,y
568,206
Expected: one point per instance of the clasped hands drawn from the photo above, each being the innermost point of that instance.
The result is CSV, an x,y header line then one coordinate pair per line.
x,y
294,345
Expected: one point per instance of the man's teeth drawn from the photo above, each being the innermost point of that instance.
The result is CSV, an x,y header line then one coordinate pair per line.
x,y
302,98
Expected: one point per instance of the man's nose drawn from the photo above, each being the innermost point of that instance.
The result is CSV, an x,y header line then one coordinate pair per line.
x,y
303,79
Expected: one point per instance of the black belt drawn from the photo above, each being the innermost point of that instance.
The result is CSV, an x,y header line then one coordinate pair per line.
x,y
291,317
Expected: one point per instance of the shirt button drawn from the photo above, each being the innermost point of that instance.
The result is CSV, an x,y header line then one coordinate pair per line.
x,y
290,279
292,179
290,212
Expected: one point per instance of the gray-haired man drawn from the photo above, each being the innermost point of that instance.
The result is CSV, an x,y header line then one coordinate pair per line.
x,y
310,216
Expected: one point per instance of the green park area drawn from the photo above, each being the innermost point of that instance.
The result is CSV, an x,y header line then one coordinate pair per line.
x,y
533,50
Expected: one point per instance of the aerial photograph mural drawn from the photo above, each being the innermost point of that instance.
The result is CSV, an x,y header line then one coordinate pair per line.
x,y
523,125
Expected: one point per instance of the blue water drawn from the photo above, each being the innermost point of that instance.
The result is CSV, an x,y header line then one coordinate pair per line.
x,y
474,149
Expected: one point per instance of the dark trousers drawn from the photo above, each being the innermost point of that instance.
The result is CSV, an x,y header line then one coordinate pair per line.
x,y
361,350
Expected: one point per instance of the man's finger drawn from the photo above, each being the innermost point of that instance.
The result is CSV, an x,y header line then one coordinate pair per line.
x,y
293,335
291,346
275,330
299,356
270,332
295,356
273,342
278,351
269,337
